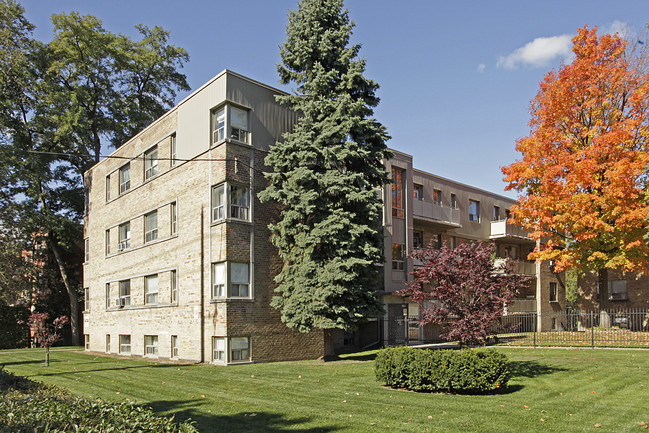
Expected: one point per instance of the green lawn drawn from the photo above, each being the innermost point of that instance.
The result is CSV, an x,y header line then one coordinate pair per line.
x,y
551,390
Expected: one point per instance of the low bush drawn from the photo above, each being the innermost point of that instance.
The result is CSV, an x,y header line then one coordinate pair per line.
x,y
27,406
457,371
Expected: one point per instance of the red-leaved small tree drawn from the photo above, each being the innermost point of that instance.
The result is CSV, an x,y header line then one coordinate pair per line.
x,y
46,334
463,289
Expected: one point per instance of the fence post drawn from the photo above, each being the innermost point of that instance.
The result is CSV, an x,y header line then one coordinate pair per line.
x,y
535,325
592,330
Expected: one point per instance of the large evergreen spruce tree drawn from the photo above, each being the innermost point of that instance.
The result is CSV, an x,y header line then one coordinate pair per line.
x,y
325,175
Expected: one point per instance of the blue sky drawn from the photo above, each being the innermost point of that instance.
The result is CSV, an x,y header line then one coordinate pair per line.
x,y
456,77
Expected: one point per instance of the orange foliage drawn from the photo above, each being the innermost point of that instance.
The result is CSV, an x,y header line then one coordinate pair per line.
x,y
583,174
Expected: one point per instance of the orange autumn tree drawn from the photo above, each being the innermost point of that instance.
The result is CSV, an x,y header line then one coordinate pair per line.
x,y
582,175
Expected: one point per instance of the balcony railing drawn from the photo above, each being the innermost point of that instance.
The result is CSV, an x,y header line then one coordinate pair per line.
x,y
436,212
500,229
523,267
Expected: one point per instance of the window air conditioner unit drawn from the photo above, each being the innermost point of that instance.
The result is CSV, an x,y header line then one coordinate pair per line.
x,y
119,302
120,246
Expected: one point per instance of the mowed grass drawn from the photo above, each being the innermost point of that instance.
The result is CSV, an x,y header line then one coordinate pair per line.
x,y
565,390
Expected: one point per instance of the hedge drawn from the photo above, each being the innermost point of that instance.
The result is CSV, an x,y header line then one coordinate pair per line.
x,y
455,371
27,406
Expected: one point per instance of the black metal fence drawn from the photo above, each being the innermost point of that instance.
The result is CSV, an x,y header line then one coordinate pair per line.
x,y
612,328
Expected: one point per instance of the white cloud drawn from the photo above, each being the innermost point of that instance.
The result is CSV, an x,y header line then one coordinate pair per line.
x,y
538,53
481,67
619,27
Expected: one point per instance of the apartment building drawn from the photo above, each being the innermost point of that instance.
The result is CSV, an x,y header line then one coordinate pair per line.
x,y
178,259
179,263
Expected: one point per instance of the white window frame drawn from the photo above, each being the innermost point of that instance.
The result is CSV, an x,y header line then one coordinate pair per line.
x,y
474,217
174,347
86,338
86,299
86,250
151,289
231,350
553,292
125,178
230,280
150,226
125,292
151,163
151,345
107,246
124,236
108,298
174,217
108,188
125,344
174,286
398,264
230,122
230,201
174,150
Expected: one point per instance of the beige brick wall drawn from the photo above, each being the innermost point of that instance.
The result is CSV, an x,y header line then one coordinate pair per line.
x,y
189,253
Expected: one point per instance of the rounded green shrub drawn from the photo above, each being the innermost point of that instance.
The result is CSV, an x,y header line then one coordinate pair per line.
x,y
458,371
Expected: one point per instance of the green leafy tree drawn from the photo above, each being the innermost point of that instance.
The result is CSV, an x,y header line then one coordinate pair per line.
x,y
325,175
86,88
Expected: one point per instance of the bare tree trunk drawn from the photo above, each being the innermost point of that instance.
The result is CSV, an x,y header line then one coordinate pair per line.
x,y
602,282
329,352
72,293
47,357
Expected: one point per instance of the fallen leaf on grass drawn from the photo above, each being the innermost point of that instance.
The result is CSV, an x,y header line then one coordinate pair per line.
x,y
430,417
526,406
542,420
598,425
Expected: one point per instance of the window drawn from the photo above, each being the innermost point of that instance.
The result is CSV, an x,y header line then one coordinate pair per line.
x,y
398,192
617,290
238,275
107,343
239,349
107,295
108,242
418,239
238,124
151,289
86,299
174,346
86,249
174,286
151,162
125,344
151,345
553,292
474,210
218,349
125,178
174,153
437,197
398,257
124,236
453,201
107,187
496,215
439,241
151,226
419,192
239,202
238,206
86,201
174,218
453,242
86,338
125,292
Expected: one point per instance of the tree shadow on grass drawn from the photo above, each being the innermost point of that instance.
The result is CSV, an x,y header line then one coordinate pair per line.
x,y
250,422
531,369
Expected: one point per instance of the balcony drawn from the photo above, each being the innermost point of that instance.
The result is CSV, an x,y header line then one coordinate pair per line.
x,y
522,267
438,214
521,306
501,230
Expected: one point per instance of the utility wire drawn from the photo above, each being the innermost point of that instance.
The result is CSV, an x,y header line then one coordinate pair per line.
x,y
80,155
